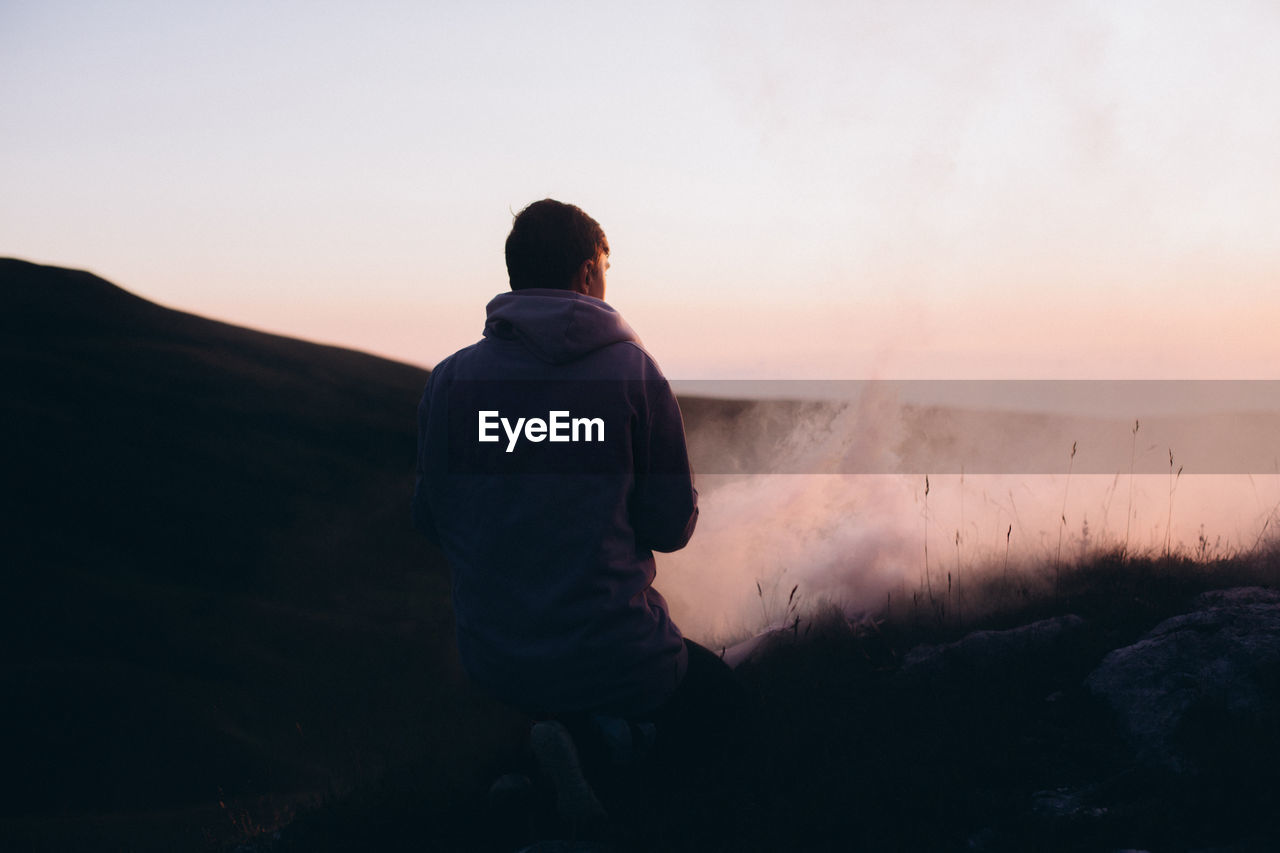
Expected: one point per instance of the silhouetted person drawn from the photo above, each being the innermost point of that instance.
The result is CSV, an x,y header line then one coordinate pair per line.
x,y
551,540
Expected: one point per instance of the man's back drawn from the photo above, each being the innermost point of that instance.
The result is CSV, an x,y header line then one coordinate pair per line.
x,y
550,529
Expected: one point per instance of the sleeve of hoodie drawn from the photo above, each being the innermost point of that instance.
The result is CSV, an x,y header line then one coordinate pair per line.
x,y
665,509
421,508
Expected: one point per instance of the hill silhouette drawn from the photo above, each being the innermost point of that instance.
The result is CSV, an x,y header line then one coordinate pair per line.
x,y
213,593
122,402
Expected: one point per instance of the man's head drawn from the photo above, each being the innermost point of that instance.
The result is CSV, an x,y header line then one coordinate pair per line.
x,y
556,245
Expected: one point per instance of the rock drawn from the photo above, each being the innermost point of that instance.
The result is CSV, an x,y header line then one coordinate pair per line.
x,y
1062,803
984,839
987,652
1248,845
1236,596
1206,682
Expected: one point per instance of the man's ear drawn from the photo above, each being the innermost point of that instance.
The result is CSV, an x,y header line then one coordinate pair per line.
x,y
580,284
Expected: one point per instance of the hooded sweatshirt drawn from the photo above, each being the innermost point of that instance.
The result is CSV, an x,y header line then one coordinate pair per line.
x,y
550,530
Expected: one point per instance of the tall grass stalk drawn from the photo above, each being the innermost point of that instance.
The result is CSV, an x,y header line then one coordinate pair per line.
x,y
959,561
793,613
1173,486
958,534
1128,513
956,605
928,582
1266,522
1007,535
1265,525
1106,507
949,605
1057,560
1262,532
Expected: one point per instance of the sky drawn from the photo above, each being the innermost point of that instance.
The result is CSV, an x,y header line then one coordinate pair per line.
x,y
791,191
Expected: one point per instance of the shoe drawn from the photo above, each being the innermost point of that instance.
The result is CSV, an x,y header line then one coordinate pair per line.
x,y
557,758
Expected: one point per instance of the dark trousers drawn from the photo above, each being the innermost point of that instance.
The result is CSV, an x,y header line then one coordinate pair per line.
x,y
700,725
705,710
698,720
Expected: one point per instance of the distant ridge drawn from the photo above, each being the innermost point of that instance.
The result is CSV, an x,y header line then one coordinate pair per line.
x,y
37,299
47,300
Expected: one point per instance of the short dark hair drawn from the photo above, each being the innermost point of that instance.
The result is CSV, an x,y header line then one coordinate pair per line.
x,y
549,242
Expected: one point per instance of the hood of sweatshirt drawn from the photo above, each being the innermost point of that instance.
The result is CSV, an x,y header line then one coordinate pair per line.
x,y
557,326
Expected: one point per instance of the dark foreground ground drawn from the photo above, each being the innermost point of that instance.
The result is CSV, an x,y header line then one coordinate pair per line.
x,y
854,742
219,632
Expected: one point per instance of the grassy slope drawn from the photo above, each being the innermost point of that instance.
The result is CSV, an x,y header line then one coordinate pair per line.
x,y
837,755
212,589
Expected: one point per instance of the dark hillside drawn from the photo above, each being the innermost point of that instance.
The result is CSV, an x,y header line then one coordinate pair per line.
x,y
212,591
116,404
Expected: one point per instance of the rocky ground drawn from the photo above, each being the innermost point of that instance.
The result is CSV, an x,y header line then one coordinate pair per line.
x,y
1135,706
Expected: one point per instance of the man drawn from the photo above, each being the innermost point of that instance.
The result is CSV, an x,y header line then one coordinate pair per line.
x,y
550,529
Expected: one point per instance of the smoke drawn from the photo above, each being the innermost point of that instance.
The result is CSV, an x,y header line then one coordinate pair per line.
x,y
859,540
838,537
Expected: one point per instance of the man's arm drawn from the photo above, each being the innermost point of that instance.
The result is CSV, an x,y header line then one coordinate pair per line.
x,y
665,510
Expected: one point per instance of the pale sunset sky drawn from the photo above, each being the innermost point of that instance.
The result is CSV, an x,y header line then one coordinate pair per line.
x,y
791,190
